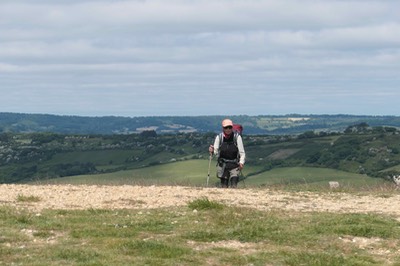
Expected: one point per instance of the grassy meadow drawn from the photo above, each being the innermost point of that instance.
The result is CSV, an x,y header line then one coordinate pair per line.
x,y
203,232
195,172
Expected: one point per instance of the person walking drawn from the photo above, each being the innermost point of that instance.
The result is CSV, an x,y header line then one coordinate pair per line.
x,y
229,149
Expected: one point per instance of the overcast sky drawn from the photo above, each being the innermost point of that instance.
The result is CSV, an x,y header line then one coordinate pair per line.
x,y
200,57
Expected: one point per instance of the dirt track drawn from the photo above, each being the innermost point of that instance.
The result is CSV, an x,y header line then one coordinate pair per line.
x,y
134,197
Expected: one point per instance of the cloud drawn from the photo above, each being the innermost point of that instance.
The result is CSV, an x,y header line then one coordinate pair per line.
x,y
157,52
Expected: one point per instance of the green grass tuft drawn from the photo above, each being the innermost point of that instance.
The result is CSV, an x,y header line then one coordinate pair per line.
x,y
152,248
31,198
204,204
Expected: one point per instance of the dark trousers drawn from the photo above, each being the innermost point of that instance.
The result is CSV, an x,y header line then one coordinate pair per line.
x,y
233,180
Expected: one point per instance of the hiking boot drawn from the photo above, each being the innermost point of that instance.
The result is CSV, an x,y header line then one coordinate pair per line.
x,y
224,183
234,181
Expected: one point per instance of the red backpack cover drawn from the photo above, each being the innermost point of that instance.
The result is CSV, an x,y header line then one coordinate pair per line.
x,y
237,128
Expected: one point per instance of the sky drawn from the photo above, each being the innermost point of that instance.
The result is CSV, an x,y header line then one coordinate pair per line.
x,y
200,57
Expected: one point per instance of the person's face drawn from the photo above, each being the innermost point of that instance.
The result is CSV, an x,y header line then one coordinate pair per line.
x,y
227,129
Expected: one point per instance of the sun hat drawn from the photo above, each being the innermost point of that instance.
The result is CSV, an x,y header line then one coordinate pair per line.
x,y
227,122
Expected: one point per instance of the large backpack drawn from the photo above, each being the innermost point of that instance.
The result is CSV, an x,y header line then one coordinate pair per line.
x,y
237,128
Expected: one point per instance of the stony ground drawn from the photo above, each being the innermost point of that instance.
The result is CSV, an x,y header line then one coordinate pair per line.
x,y
133,197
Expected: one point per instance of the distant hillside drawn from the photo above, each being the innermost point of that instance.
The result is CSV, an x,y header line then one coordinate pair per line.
x,y
358,150
263,124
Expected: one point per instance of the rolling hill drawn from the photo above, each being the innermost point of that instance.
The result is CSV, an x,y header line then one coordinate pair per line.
x,y
360,152
263,124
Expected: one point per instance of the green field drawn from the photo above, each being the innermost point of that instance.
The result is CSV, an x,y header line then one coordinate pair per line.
x,y
195,172
310,176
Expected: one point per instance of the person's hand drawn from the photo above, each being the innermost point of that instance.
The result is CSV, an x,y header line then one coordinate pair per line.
x,y
211,149
241,166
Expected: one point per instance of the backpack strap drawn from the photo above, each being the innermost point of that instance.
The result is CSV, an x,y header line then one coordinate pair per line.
x,y
221,138
235,137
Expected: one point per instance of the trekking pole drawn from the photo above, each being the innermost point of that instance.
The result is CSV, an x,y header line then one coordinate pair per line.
x,y
209,166
243,178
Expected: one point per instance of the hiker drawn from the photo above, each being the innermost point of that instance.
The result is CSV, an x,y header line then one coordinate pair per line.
x,y
229,149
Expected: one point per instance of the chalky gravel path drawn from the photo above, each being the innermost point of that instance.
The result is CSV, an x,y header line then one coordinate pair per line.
x,y
150,197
